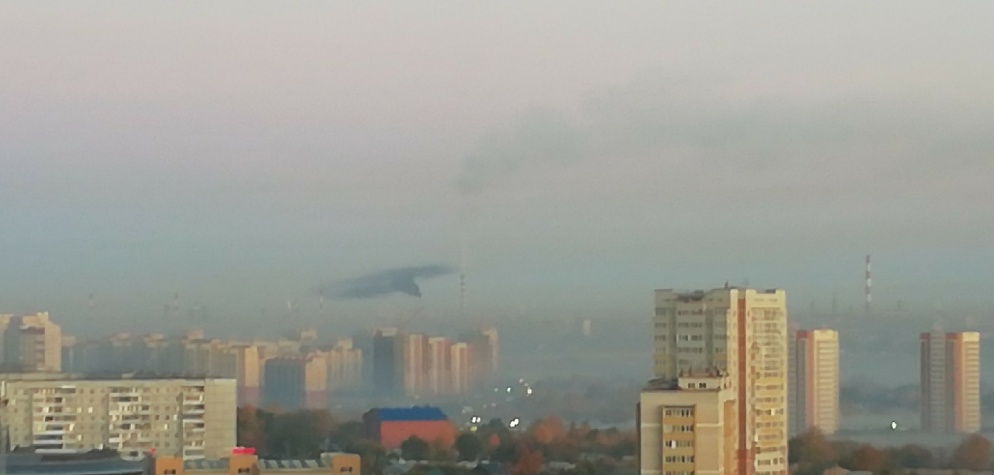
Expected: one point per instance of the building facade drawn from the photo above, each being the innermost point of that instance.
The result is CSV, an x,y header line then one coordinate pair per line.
x,y
415,364
31,343
687,426
950,382
741,332
188,418
814,381
239,463
392,426
388,358
439,366
296,382
460,368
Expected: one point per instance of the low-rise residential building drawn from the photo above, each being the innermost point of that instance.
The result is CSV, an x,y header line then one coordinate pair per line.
x,y
187,418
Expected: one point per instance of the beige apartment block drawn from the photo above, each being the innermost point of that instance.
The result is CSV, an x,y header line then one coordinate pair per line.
x,y
439,366
344,365
950,382
415,364
814,381
687,426
461,368
31,343
188,418
742,332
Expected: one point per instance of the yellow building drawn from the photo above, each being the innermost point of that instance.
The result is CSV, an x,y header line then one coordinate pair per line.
x,y
245,464
950,382
188,418
814,381
687,426
741,332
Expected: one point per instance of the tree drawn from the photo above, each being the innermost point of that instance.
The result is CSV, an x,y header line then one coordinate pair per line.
x,y
914,456
974,453
505,452
548,430
301,434
251,428
469,446
811,447
414,448
527,461
345,435
868,458
372,454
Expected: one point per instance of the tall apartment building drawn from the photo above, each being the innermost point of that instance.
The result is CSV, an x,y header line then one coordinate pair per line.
x,y
460,368
415,364
388,358
950,382
742,332
344,365
439,366
688,425
189,418
31,343
484,353
241,361
296,382
814,381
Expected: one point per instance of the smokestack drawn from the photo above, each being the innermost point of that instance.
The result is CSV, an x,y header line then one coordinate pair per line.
x,y
869,285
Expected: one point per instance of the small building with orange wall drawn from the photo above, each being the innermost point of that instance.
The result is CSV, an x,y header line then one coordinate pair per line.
x,y
392,426
242,462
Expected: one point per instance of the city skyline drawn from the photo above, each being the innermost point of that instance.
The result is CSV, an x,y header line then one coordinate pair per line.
x,y
245,160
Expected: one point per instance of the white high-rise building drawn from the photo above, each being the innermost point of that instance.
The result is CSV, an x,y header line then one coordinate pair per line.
x,y
741,332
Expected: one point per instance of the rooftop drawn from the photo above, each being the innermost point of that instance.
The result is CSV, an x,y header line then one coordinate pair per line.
x,y
413,413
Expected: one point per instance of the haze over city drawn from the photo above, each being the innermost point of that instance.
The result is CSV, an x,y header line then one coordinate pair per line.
x,y
567,157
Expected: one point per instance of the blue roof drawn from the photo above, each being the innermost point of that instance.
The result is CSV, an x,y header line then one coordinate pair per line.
x,y
415,413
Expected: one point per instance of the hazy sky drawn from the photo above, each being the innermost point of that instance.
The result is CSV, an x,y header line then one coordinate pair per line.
x,y
586,152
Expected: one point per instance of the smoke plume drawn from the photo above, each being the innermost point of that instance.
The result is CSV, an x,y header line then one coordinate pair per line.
x,y
402,280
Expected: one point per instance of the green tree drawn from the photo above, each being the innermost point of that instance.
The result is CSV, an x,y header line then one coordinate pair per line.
x,y
914,456
345,435
974,453
414,448
868,458
811,447
505,452
251,428
300,434
469,446
374,457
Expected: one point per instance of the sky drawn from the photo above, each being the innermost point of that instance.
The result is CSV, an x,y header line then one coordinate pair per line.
x,y
569,157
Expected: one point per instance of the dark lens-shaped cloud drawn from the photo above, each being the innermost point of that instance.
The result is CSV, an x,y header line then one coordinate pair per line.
x,y
402,280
